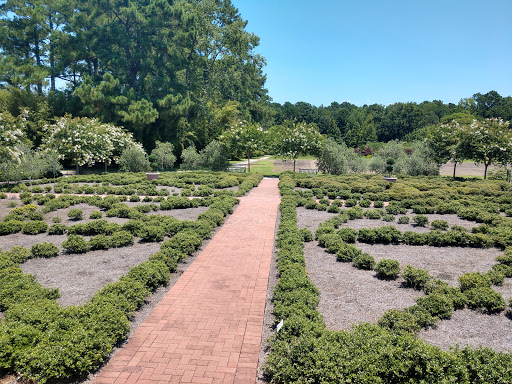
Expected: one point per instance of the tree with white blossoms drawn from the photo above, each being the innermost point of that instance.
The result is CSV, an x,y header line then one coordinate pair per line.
x,y
244,138
12,136
87,141
291,140
489,142
449,142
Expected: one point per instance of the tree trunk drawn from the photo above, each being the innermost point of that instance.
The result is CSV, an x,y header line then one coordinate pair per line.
x,y
454,168
294,161
248,164
38,62
52,55
77,169
105,166
485,170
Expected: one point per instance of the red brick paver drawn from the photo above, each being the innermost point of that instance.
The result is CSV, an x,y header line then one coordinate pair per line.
x,y
207,329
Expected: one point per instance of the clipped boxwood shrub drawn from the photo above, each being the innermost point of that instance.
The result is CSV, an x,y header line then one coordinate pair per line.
x,y
437,305
152,233
34,227
387,269
75,244
485,299
57,229
364,261
95,215
76,214
44,250
439,224
472,280
420,220
152,274
403,220
399,321
348,235
99,242
415,278
121,239
10,227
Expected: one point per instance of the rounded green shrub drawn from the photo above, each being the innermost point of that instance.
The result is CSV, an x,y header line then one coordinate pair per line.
x,y
348,235
420,220
75,244
387,269
399,321
10,227
152,233
439,224
403,220
57,229
415,277
437,305
364,261
99,242
34,227
45,250
472,280
76,214
95,215
121,239
485,299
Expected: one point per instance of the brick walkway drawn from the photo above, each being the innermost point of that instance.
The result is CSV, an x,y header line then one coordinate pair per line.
x,y
207,329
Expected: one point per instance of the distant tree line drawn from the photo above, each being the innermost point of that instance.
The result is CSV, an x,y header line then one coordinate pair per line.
x,y
357,126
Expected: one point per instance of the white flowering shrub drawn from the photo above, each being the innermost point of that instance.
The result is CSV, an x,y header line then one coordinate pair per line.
x,y
12,137
87,141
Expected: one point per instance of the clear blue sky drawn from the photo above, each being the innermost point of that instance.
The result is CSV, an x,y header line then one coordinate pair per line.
x,y
382,51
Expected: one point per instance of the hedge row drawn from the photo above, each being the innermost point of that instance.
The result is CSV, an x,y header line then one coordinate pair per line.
x,y
304,351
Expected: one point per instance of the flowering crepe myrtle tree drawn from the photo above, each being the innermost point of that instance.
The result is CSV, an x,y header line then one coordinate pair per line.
x,y
291,140
448,141
87,141
12,137
244,138
489,142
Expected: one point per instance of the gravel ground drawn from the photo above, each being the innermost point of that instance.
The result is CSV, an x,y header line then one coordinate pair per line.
x,y
79,277
349,295
471,328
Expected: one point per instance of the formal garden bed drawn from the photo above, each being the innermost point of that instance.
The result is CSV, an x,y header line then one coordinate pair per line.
x,y
375,292
76,264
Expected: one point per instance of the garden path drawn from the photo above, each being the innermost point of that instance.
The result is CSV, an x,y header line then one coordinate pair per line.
x,y
207,329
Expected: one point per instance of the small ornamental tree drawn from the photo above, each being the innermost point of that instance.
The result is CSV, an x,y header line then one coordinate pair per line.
x,y
291,140
12,144
448,141
244,138
164,155
489,142
87,141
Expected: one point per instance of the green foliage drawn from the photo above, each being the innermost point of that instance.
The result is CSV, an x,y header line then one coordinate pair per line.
x,y
415,278
190,158
75,244
387,269
439,224
34,227
152,233
399,321
134,159
164,153
11,226
438,305
57,229
472,280
364,261
76,214
420,220
44,250
485,299
215,156
121,239
96,215
99,242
